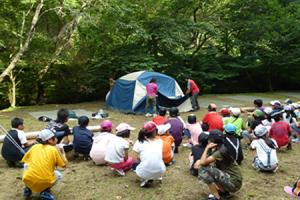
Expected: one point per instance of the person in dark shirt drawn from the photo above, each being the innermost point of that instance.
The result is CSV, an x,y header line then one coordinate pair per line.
x,y
83,138
197,151
15,143
176,127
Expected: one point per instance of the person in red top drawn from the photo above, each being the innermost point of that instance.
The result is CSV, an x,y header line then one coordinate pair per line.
x,y
213,119
280,130
161,118
193,90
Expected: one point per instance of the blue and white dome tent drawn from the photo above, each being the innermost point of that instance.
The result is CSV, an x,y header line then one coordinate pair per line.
x,y
129,93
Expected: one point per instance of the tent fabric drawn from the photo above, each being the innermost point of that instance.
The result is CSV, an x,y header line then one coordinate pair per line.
x,y
129,93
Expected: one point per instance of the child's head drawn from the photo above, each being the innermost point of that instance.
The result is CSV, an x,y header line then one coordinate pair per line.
x,y
258,103
203,139
275,104
162,111
106,126
123,130
17,123
260,131
230,129
148,131
216,136
235,112
62,115
225,112
46,136
83,121
192,119
153,80
173,112
163,129
212,107
276,115
205,126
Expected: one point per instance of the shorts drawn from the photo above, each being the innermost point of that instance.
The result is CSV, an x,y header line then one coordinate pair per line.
x,y
212,174
258,165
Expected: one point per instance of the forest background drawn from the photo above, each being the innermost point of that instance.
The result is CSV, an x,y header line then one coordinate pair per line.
x,y
64,51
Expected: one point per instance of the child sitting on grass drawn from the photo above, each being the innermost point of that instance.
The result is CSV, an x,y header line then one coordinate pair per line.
x,y
265,159
168,143
176,127
10,151
149,149
100,142
117,150
83,138
197,151
194,128
161,118
280,131
40,163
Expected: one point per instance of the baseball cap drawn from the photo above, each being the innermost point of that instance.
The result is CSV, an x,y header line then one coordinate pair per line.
x,y
275,102
230,128
123,126
260,130
46,134
106,125
225,111
216,136
149,126
235,111
162,129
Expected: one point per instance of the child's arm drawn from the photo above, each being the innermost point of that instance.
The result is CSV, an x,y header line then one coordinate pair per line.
x,y
125,154
205,158
63,156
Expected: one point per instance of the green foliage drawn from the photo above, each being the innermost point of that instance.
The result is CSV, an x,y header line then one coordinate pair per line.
x,y
224,45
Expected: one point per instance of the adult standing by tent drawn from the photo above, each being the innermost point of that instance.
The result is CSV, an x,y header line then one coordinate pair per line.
x,y
193,90
151,95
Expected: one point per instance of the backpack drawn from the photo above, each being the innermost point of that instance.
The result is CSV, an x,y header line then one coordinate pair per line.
x,y
296,188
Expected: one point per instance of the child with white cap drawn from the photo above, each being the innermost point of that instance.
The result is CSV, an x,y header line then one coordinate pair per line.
x,y
163,132
101,141
266,157
117,150
40,163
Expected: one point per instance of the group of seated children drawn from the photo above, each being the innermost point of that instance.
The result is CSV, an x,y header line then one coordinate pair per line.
x,y
216,147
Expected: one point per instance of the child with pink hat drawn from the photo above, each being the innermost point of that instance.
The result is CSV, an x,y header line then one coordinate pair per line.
x,y
101,141
117,150
149,149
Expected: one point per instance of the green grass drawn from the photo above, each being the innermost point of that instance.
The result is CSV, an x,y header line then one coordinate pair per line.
x,y
85,181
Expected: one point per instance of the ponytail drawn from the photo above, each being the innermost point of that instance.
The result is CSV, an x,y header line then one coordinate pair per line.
x,y
269,142
143,135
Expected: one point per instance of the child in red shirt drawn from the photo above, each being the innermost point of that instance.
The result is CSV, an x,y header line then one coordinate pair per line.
x,y
280,130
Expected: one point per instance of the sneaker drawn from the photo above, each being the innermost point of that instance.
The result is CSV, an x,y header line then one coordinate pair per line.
x,y
188,145
46,195
296,140
27,192
160,179
212,197
148,115
120,172
144,183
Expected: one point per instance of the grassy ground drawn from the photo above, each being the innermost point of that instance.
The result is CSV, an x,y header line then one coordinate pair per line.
x,y
85,181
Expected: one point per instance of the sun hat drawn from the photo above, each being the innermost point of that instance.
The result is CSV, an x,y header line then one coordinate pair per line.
x,y
260,130
163,128
149,126
123,126
216,136
46,134
225,111
275,102
230,128
235,111
106,125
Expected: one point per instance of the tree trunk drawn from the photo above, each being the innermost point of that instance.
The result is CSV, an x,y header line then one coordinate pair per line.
x,y
24,47
63,39
12,90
